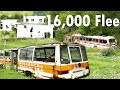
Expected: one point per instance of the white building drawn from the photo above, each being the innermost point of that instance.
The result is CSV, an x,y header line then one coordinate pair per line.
x,y
8,23
34,27
34,31
34,19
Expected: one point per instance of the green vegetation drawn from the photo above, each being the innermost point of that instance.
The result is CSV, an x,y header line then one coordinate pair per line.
x,y
12,74
13,42
22,42
103,67
92,29
14,14
103,64
39,13
59,34
108,52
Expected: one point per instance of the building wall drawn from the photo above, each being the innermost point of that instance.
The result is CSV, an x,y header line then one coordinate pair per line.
x,y
7,24
22,32
34,19
34,31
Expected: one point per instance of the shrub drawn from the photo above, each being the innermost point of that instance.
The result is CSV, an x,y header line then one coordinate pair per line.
x,y
108,52
59,34
7,53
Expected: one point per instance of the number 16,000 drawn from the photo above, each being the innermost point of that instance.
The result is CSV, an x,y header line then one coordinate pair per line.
x,y
70,20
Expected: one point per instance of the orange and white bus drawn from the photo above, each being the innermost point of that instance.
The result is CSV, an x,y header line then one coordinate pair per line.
x,y
93,41
4,59
51,61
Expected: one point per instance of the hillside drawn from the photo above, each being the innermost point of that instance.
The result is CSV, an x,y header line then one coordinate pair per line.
x,y
12,74
101,67
25,42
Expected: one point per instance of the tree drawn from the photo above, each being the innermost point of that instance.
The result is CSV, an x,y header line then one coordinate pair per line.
x,y
14,14
39,13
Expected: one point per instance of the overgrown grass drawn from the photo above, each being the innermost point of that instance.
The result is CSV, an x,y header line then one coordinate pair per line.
x,y
12,74
103,67
26,42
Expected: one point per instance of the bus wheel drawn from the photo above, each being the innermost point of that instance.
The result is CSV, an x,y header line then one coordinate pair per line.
x,y
28,73
2,66
94,46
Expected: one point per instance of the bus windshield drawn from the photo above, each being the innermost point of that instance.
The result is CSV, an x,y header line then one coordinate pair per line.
x,y
111,40
72,54
75,54
64,55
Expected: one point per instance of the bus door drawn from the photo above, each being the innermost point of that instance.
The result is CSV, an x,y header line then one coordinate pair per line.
x,y
14,55
73,38
78,61
74,62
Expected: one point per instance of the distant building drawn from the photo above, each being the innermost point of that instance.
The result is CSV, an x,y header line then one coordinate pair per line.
x,y
34,19
31,27
34,31
7,24
34,27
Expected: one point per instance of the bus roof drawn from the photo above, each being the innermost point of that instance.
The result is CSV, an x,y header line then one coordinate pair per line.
x,y
52,45
43,45
9,49
101,37
76,35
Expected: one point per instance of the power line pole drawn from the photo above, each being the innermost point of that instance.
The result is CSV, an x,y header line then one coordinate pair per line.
x,y
4,46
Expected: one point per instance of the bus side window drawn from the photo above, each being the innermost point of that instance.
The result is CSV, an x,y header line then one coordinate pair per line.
x,y
39,54
101,41
45,54
87,39
22,54
84,54
80,38
50,53
26,54
104,41
90,39
76,38
83,38
29,54
95,40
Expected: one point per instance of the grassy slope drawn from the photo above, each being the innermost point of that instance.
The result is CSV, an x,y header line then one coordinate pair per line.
x,y
100,67
103,67
11,74
27,42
